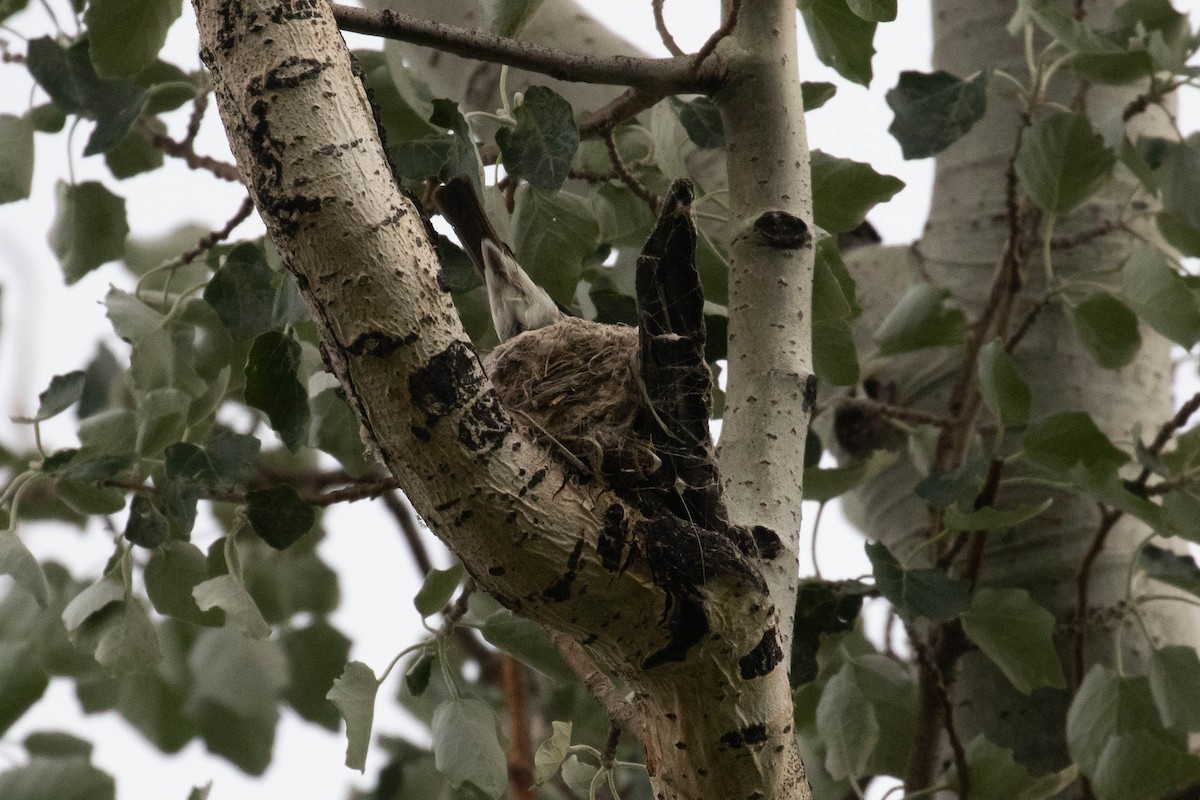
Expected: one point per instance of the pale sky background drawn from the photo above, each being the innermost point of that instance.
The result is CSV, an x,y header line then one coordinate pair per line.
x,y
48,329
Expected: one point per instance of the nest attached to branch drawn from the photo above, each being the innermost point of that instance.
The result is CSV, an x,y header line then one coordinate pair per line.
x,y
578,382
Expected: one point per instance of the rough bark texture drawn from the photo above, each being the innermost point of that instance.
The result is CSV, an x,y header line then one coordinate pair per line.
x,y
681,612
964,237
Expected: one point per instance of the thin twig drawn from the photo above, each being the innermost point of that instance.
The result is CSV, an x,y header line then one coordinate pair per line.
x,y
628,178
623,108
183,151
1026,324
199,106
671,75
956,745
727,26
520,751
213,238
598,685
661,24
406,520
899,413
348,494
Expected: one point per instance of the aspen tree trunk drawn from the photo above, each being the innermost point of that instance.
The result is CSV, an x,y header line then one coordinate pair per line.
x,y
714,711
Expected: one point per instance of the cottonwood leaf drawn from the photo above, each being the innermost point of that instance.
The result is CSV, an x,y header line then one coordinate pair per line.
x,y
874,10
1179,176
552,752
934,110
842,39
227,593
1017,635
1179,234
173,571
1140,766
989,519
1062,162
126,35
279,516
920,319
847,725
272,386
233,456
89,228
507,17
1161,296
1064,440
43,778
18,563
1174,676
1004,392
62,393
354,695
241,292
701,118
125,641
554,233
95,598
465,746
526,641
540,148
1108,329
335,429
917,592
146,526
815,94
437,589
317,654
996,775
845,190
822,485
16,168
1175,569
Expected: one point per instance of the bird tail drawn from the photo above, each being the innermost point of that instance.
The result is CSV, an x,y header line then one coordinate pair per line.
x,y
460,205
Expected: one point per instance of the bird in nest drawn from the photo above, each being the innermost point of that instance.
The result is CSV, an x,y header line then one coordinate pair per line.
x,y
629,404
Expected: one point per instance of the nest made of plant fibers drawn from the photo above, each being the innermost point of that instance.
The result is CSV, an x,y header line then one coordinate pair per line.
x,y
578,383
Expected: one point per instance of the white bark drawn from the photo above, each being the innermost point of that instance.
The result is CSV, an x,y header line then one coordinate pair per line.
x,y
711,688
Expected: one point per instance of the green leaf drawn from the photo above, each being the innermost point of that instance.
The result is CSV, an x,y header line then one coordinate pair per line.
x,y
186,462
335,429
1179,177
1161,296
146,526
1004,392
10,7
1174,675
56,779
88,498
69,78
552,752
1177,570
1062,162
47,118
541,147
844,190
241,292
174,570
920,320
526,641
1141,766
121,637
507,17
1107,706
113,432
553,234
874,10
1108,329
272,386
1064,440
841,38
822,485
416,677
442,155
56,744
135,153
990,519
89,228
816,94
94,599
126,35
835,357
62,393
18,563
1017,635
465,747
1179,234
23,678
701,118
823,608
279,516
233,456
847,725
996,775
437,589
317,653
228,594
354,695
917,592
935,110
16,168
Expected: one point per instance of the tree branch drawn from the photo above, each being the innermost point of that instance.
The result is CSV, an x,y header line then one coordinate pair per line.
x,y
666,75
660,23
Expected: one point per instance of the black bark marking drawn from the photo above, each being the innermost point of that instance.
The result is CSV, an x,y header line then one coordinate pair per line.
x,y
732,739
781,230
767,541
810,394
265,148
765,656
613,535
497,572
295,71
560,590
754,734
449,381
536,478
374,343
484,425
293,10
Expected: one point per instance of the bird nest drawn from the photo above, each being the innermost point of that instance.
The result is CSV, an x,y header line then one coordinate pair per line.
x,y
577,382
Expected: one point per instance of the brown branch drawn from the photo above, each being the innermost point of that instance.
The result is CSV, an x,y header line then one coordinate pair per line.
x,y
1026,323
184,151
899,413
349,494
622,109
956,745
660,23
406,520
199,106
720,33
598,685
520,751
9,57
666,75
628,178
213,238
